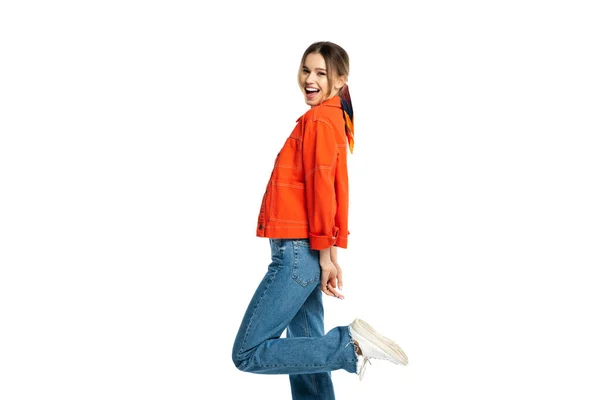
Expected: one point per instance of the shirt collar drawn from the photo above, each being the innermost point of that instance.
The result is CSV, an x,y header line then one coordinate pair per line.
x,y
335,101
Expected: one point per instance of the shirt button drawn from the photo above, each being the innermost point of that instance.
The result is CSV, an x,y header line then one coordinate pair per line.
x,y
260,227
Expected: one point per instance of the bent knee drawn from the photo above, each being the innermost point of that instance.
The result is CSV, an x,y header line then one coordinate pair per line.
x,y
239,363
237,358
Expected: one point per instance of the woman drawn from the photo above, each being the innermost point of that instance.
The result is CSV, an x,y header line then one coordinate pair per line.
x,y
304,213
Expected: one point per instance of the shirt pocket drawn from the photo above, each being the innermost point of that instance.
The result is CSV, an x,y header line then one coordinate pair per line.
x,y
288,202
290,156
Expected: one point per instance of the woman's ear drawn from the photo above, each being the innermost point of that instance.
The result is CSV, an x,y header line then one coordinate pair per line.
x,y
340,82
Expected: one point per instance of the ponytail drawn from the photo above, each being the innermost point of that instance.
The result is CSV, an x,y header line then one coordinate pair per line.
x,y
348,115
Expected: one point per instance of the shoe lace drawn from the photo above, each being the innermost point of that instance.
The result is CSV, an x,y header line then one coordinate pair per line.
x,y
363,367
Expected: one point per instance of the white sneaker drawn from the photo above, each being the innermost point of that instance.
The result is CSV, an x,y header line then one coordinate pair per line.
x,y
374,345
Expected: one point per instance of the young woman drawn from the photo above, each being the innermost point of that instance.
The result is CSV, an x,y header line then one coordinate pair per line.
x,y
304,213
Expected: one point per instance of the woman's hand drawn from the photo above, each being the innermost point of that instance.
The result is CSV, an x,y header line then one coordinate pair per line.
x,y
331,272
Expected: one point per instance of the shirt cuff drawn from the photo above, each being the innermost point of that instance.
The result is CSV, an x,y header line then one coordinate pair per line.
x,y
321,242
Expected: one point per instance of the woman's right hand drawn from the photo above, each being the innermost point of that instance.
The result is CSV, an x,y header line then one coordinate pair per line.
x,y
330,274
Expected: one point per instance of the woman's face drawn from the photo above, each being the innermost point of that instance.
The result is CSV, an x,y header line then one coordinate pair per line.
x,y
313,80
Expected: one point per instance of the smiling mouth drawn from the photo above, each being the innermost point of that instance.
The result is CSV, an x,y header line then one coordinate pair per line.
x,y
311,90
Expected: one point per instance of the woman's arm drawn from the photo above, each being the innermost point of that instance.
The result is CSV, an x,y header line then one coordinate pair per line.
x,y
319,159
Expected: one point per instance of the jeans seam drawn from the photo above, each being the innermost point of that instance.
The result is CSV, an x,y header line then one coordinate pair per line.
x,y
305,317
305,365
314,382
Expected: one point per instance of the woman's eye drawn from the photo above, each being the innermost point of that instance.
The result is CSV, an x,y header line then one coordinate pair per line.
x,y
321,73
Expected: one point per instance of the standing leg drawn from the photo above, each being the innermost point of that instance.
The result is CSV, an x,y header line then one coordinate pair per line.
x,y
309,322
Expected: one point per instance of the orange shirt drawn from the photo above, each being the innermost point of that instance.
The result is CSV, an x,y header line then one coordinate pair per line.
x,y
307,194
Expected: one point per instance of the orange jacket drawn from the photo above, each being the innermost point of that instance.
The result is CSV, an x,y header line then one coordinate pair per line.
x,y
307,194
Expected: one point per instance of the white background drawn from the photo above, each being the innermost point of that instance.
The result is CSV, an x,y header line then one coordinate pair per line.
x,y
137,138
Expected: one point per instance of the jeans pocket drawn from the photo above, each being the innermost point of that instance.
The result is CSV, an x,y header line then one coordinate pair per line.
x,y
306,268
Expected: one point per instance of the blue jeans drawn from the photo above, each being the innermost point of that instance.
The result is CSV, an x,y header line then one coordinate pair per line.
x,y
289,297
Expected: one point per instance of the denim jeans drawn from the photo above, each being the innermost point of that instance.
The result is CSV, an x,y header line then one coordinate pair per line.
x,y
289,298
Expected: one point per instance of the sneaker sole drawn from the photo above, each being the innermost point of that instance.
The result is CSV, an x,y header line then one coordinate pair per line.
x,y
384,343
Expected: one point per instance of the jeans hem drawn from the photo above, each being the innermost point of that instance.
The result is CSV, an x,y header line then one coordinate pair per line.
x,y
351,342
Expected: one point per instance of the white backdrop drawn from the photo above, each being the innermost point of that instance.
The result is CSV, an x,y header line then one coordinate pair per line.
x,y
137,139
